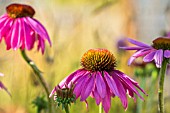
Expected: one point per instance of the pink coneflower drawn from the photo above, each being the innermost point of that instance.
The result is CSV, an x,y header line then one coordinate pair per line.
x,y
21,30
99,79
157,51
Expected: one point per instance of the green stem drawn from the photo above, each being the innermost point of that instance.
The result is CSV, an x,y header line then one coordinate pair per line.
x,y
39,76
66,108
100,108
161,86
139,101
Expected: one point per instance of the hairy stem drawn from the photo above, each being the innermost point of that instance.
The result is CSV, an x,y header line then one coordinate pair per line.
x,y
39,76
161,86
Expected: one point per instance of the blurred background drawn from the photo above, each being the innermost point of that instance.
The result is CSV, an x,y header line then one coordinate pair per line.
x,y
74,27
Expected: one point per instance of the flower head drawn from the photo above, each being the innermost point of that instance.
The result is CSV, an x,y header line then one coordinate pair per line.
x,y
99,79
64,96
159,50
20,30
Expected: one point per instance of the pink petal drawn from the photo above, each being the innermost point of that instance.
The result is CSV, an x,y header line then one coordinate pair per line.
x,y
132,48
135,84
128,83
138,43
111,83
100,85
79,85
77,76
139,53
41,44
39,28
88,87
158,58
167,53
121,90
52,92
69,78
21,44
96,96
149,57
16,34
29,38
106,101
5,29
3,20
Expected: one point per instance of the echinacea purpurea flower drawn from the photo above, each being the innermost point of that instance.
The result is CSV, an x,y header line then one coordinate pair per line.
x,y
99,79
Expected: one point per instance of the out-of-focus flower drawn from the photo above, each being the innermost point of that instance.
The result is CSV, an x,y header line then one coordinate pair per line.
x,y
99,79
20,30
2,85
157,51
167,34
121,43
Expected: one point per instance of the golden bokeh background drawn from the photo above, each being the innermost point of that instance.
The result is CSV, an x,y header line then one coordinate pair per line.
x,y
74,27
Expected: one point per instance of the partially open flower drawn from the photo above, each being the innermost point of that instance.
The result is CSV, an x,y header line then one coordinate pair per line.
x,y
64,96
99,79
159,50
21,30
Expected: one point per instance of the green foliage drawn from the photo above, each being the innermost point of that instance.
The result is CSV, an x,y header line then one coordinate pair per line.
x,y
40,103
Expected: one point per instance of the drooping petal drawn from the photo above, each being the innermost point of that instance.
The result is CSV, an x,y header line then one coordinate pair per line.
x,y
79,85
22,35
16,34
106,101
97,96
8,39
139,53
5,29
128,83
3,20
130,93
167,53
69,78
53,91
39,28
138,43
76,77
88,87
135,84
100,85
158,58
111,83
41,44
28,37
149,57
121,90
